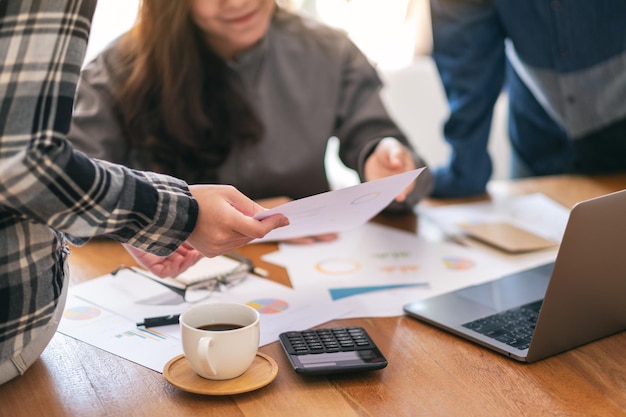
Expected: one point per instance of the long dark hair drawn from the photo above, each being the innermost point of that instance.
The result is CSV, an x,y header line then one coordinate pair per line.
x,y
178,105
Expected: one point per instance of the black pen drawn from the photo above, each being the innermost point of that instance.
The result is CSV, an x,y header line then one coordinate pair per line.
x,y
159,321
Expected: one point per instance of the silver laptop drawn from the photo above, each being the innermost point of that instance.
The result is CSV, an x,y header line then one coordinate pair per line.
x,y
546,310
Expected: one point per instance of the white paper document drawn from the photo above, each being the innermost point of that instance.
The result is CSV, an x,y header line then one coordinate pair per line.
x,y
374,270
370,270
104,312
535,213
339,210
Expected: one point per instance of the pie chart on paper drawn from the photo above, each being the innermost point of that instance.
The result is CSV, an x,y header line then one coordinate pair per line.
x,y
81,313
269,305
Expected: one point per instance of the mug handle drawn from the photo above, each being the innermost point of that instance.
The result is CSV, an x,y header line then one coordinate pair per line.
x,y
203,348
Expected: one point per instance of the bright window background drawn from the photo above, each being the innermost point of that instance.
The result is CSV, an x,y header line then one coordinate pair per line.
x,y
389,32
111,19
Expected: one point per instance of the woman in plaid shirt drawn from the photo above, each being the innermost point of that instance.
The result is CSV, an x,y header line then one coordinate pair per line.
x,y
50,194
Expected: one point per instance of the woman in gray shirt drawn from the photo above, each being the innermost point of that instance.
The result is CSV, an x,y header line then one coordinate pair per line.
x,y
241,93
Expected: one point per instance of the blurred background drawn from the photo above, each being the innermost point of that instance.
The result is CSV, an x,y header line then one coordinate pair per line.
x,y
396,36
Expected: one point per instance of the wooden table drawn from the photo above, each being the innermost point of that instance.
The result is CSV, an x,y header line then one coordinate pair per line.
x,y
430,372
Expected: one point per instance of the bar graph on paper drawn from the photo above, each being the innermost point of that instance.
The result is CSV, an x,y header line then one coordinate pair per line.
x,y
118,335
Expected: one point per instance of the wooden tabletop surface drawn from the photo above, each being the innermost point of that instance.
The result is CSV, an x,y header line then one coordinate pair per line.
x,y
430,372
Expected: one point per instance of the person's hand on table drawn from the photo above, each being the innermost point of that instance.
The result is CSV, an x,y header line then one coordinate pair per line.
x,y
167,266
390,157
277,201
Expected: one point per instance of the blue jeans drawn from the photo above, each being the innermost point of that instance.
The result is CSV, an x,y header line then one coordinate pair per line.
x,y
519,169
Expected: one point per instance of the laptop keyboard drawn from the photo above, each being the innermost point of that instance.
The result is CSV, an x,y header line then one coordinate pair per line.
x,y
514,327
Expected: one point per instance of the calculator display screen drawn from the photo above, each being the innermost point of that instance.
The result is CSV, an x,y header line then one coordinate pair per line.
x,y
338,358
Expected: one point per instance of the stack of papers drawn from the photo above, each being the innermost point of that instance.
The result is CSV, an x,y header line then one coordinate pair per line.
x,y
104,312
370,270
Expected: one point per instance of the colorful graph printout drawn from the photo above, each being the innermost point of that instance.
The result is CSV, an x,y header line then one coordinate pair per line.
x,y
269,305
338,266
143,333
81,313
339,293
458,263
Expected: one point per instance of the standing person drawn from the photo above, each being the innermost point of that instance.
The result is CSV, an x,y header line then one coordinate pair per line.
x,y
242,93
50,194
564,63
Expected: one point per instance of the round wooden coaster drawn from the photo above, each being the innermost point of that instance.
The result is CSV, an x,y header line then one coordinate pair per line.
x,y
262,371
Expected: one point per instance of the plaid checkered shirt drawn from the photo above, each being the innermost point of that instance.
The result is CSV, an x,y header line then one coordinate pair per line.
x,y
49,193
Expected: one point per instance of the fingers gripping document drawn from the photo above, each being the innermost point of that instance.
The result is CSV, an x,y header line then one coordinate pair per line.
x,y
339,210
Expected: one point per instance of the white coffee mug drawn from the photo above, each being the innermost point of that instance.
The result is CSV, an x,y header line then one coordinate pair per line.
x,y
220,340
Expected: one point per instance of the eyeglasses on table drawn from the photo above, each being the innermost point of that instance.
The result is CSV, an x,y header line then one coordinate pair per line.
x,y
201,288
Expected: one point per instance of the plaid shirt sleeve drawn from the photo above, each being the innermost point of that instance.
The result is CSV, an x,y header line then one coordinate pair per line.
x,y
41,177
48,191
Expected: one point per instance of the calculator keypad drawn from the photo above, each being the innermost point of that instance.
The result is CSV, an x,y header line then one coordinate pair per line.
x,y
326,340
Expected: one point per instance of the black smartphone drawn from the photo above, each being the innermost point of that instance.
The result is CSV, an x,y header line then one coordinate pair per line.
x,y
332,351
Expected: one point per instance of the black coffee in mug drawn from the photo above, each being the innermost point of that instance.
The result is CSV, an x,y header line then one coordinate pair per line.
x,y
220,327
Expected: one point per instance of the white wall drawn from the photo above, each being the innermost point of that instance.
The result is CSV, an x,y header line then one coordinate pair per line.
x,y
415,98
111,19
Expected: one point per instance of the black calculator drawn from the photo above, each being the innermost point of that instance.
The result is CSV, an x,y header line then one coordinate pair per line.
x,y
332,351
